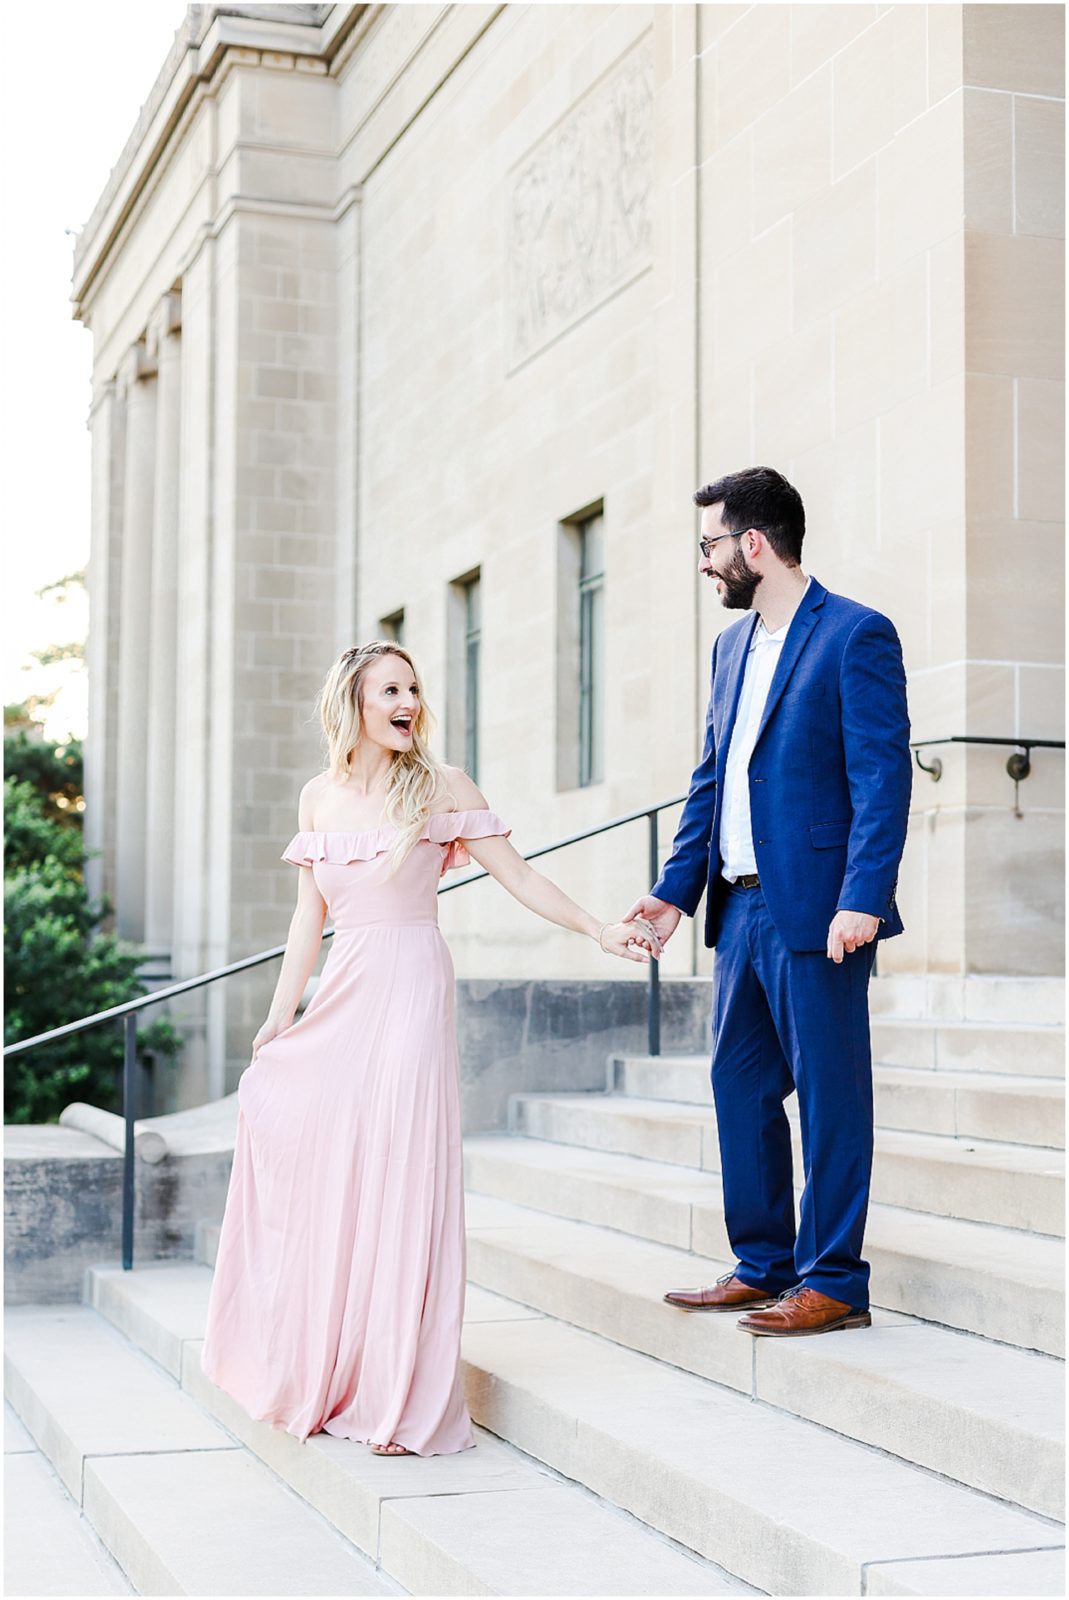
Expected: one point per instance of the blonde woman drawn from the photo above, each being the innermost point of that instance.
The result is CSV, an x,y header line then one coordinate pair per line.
x,y
338,1293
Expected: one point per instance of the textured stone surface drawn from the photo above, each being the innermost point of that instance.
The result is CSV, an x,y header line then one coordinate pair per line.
x,y
974,1411
693,1460
981,1105
82,1390
49,1548
999,1282
981,1180
361,1495
1026,1572
161,1514
543,1541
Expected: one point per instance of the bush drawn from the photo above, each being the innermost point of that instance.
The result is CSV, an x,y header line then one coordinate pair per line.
x,y
56,967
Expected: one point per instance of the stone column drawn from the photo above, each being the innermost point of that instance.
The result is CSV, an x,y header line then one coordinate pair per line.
x,y
107,427
982,878
192,657
348,392
160,773
138,380
275,609
1013,859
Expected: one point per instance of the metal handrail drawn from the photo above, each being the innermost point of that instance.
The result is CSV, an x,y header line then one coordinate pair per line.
x,y
1018,766
128,1010
1027,745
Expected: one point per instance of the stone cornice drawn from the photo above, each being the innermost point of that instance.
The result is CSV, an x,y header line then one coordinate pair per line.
x,y
305,34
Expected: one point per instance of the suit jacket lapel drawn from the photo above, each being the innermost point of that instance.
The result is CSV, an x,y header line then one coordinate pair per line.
x,y
734,671
799,634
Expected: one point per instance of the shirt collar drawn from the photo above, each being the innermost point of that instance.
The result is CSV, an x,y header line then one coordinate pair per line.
x,y
761,634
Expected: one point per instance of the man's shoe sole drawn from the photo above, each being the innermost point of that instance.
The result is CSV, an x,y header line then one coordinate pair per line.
x,y
856,1319
740,1305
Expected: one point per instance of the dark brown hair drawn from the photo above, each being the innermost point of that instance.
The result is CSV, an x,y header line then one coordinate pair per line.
x,y
760,497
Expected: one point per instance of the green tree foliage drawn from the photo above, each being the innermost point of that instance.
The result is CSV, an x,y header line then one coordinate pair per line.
x,y
55,774
57,967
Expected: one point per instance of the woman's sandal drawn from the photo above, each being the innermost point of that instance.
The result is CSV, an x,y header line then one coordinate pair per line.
x,y
390,1450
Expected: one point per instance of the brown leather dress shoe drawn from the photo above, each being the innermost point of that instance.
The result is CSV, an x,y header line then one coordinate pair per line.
x,y
728,1293
800,1311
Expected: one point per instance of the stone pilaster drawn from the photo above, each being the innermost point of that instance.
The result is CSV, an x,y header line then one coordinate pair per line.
x,y
1014,295
984,878
107,427
160,773
193,677
138,379
349,390
192,659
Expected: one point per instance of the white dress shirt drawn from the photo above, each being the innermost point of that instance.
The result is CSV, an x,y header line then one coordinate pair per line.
x,y
736,833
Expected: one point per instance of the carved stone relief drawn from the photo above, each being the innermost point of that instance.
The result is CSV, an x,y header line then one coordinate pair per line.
x,y
579,207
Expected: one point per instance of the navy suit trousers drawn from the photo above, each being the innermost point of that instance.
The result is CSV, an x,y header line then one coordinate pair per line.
x,y
785,1021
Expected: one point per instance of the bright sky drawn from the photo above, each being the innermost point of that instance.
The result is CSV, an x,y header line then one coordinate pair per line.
x,y
67,106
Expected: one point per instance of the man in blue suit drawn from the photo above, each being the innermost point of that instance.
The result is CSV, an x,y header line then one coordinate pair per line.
x,y
794,828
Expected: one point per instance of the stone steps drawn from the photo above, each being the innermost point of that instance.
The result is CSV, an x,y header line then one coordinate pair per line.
x,y
973,999
974,1105
684,1456
788,1506
49,1547
487,1521
151,1470
1027,1573
1028,1049
1012,1185
1004,1284
983,1414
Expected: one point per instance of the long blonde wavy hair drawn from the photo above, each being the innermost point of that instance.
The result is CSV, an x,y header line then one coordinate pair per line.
x,y
415,776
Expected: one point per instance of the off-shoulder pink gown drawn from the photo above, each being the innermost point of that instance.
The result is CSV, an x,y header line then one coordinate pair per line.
x,y
338,1293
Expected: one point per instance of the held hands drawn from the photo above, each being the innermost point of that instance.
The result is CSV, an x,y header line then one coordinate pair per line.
x,y
849,930
635,941
659,916
643,933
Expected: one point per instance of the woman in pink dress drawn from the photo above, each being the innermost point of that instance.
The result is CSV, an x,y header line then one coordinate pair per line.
x,y
338,1294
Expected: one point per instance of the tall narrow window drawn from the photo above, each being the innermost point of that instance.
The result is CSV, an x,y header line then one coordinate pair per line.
x,y
591,634
464,633
393,626
581,648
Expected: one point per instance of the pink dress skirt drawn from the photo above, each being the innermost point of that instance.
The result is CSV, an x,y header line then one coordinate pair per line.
x,y
338,1294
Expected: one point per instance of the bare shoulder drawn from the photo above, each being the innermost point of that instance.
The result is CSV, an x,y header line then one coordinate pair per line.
x,y
306,800
465,793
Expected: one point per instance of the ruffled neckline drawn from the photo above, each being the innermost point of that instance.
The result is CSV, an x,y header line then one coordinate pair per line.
x,y
338,845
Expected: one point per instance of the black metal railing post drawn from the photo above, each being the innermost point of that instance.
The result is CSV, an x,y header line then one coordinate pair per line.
x,y
654,997
129,1105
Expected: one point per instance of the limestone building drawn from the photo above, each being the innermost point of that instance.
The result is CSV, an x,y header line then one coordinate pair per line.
x,y
428,320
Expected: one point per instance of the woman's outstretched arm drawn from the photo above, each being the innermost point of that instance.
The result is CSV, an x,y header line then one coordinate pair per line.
x,y
539,894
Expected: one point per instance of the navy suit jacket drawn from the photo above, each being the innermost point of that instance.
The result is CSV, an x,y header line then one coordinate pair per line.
x,y
830,775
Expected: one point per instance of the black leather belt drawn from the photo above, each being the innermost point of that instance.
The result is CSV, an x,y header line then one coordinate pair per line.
x,y
748,880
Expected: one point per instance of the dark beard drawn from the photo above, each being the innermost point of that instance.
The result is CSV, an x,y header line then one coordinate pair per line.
x,y
740,584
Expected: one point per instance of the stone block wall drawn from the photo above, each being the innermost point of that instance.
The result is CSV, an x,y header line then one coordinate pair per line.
x,y
388,305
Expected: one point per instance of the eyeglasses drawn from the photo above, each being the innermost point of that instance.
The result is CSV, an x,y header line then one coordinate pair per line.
x,y
706,545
